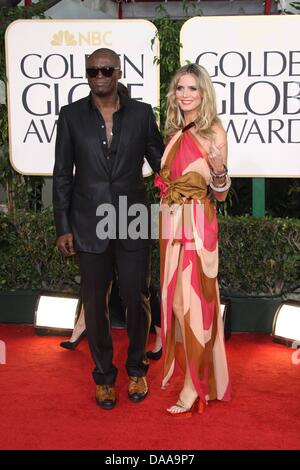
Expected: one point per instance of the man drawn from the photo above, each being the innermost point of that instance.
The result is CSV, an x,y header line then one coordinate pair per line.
x,y
105,136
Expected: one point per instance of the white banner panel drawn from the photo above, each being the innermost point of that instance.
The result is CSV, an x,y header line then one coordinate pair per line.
x,y
254,62
46,70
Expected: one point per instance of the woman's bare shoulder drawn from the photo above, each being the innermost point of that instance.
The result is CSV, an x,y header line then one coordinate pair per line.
x,y
219,130
220,135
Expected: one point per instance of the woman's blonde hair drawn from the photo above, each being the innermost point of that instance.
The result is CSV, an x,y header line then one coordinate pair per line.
x,y
207,114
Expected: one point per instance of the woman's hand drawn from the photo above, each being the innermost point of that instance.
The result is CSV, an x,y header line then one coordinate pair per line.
x,y
215,158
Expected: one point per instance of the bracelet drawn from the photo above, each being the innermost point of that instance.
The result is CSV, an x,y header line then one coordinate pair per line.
x,y
221,189
219,179
219,175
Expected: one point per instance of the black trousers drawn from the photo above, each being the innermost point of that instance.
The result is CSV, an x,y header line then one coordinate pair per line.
x,y
134,279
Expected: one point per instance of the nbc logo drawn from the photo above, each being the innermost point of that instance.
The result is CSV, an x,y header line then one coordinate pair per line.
x,y
63,37
91,38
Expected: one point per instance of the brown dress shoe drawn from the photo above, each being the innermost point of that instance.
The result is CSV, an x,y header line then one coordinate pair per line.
x,y
137,389
106,396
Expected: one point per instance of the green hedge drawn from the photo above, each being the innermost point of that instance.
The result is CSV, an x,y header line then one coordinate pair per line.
x,y
28,256
257,256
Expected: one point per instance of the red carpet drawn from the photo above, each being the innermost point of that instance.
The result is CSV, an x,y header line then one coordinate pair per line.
x,y
47,400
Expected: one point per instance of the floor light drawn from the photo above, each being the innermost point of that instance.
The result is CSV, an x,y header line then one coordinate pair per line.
x,y
286,323
56,313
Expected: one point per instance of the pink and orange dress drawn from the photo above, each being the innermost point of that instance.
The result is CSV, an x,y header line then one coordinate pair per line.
x,y
188,222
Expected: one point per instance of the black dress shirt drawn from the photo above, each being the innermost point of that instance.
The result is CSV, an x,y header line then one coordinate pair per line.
x,y
109,150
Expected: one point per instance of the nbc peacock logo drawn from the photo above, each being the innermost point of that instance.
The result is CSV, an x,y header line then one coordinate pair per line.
x,y
91,38
63,38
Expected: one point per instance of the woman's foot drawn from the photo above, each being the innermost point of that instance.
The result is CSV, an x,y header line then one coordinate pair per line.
x,y
73,342
78,332
180,409
156,352
155,355
187,398
187,403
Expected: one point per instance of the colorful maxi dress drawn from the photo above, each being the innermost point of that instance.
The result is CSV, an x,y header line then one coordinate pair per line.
x,y
188,222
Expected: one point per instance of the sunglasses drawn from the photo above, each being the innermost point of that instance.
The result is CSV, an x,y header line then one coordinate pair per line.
x,y
105,71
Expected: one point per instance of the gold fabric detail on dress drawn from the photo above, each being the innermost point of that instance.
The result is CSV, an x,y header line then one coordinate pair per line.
x,y
191,185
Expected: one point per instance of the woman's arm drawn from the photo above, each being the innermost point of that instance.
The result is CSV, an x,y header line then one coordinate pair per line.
x,y
217,158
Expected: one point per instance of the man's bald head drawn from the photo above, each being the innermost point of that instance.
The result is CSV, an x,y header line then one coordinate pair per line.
x,y
105,52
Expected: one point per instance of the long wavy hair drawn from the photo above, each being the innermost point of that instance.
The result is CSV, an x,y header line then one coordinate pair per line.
x,y
207,113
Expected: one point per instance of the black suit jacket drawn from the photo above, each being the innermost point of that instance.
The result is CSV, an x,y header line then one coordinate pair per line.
x,y
77,194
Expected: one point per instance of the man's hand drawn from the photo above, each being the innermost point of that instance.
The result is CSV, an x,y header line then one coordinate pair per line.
x,y
65,244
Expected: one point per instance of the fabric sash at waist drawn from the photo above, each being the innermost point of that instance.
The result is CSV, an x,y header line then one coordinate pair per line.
x,y
191,185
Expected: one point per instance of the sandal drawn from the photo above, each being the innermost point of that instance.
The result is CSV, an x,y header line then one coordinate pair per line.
x,y
183,412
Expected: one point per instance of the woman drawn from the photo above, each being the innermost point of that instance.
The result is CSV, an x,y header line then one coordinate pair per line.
x,y
193,175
